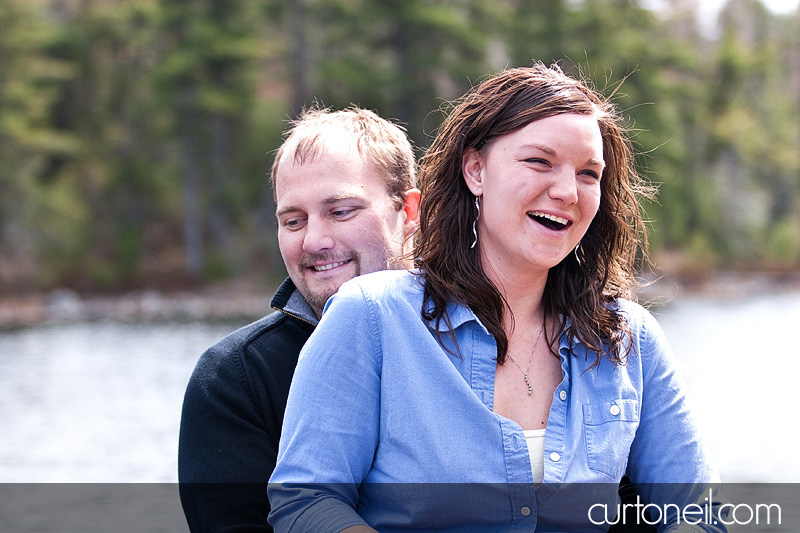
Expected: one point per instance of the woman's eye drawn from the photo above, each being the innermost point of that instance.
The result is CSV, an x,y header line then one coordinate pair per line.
x,y
592,174
537,161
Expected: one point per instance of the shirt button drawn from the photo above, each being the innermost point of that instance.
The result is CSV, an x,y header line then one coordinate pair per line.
x,y
562,395
614,410
526,511
555,457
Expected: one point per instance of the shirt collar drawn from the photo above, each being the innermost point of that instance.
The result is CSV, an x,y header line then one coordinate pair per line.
x,y
459,315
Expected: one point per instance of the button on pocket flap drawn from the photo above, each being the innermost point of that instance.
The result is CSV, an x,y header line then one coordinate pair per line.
x,y
611,411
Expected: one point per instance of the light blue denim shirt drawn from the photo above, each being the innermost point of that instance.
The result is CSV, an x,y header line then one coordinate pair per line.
x,y
380,414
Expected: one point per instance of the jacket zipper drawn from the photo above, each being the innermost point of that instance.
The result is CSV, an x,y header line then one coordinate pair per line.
x,y
298,317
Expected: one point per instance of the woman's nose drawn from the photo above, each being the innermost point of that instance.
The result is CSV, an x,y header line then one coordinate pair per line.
x,y
564,187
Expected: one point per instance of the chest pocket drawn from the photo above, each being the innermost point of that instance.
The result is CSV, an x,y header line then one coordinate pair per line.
x,y
610,428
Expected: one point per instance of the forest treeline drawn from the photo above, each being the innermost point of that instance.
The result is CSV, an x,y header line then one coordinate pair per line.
x,y
136,135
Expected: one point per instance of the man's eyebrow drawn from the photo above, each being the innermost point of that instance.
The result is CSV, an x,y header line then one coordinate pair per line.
x,y
332,200
342,198
287,209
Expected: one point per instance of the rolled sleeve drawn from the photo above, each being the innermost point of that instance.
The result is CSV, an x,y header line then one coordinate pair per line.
x,y
331,425
668,463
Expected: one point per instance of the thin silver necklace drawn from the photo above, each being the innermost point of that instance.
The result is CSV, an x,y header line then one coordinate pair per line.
x,y
530,360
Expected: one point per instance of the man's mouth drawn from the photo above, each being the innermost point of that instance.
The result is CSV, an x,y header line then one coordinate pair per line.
x,y
329,266
550,221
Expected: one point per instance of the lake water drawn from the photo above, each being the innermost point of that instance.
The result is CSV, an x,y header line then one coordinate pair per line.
x,y
740,359
100,401
96,401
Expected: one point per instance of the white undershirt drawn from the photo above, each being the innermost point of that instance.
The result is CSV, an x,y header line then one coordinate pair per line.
x,y
535,440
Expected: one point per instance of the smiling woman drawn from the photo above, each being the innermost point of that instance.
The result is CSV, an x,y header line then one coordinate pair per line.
x,y
512,364
540,189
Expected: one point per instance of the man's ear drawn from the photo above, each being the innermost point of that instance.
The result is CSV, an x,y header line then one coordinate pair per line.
x,y
411,209
472,165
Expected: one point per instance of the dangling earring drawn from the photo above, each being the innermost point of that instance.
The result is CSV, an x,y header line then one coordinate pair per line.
x,y
474,222
577,257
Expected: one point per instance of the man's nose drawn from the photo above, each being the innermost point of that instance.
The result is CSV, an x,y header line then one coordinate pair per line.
x,y
318,236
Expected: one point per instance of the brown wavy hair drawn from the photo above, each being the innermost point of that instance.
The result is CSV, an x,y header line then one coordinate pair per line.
x,y
581,290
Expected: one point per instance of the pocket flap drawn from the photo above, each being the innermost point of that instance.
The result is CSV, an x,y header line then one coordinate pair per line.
x,y
611,411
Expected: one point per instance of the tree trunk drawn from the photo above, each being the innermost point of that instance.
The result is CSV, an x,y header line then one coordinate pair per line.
x,y
299,55
192,213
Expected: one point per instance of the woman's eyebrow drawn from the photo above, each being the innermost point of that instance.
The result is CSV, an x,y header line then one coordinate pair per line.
x,y
541,147
549,151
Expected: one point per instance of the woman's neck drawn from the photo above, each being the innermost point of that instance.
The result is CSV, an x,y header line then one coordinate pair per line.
x,y
523,294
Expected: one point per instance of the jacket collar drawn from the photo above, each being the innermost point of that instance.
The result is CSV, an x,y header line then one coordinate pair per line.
x,y
288,300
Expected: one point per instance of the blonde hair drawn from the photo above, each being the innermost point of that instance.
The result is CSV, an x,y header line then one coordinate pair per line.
x,y
383,143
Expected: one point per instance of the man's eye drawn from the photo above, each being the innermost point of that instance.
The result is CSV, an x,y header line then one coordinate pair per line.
x,y
292,223
342,213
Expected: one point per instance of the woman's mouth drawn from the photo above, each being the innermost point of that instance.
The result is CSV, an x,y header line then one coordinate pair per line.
x,y
549,221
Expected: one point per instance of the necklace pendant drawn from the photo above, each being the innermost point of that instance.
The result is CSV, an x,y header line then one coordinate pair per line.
x,y
528,383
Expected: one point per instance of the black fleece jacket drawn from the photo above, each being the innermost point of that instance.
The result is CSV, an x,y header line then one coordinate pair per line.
x,y
232,415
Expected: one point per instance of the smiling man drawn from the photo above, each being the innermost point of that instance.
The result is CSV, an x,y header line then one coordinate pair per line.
x,y
346,205
340,213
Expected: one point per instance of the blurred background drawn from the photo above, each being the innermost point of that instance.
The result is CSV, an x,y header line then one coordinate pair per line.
x,y
137,222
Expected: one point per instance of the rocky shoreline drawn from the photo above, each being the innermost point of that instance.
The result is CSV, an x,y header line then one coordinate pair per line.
x,y
248,300
227,302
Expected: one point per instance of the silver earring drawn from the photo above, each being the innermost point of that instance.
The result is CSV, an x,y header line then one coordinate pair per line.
x,y
474,222
577,257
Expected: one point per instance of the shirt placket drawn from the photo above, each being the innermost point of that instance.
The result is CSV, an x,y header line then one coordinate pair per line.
x,y
554,440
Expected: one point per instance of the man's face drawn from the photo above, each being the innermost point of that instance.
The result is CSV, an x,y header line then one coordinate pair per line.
x,y
336,221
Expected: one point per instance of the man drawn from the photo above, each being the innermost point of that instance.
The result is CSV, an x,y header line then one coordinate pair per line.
x,y
346,205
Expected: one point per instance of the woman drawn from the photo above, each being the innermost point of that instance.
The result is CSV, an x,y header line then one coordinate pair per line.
x,y
512,361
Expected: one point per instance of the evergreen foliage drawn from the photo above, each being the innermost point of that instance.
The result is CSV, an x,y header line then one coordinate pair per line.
x,y
136,135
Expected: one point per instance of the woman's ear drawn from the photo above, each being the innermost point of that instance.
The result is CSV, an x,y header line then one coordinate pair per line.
x,y
472,165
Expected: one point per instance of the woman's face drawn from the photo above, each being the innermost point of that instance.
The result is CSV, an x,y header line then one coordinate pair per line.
x,y
540,188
